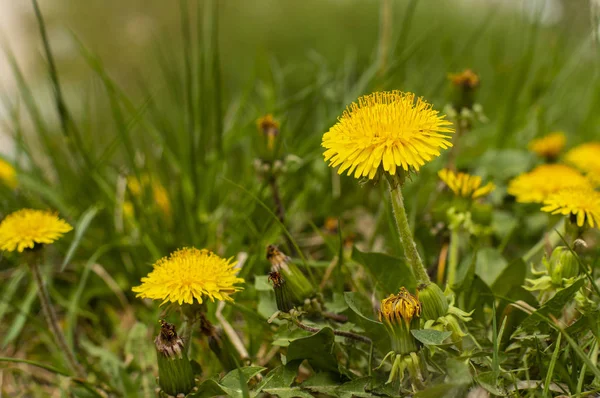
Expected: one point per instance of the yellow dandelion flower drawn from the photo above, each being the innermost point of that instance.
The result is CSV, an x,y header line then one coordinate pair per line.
x,y
270,128
25,228
159,192
189,274
465,185
8,175
549,146
391,129
161,197
594,175
134,185
536,185
401,307
585,157
583,203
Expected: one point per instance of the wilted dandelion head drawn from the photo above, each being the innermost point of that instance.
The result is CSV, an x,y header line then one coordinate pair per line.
x,y
400,308
25,228
467,79
189,274
585,157
465,185
548,146
390,129
581,203
536,185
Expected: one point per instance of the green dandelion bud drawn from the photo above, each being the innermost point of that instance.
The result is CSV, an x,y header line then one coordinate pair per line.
x,y
298,286
282,293
400,314
563,265
175,374
433,301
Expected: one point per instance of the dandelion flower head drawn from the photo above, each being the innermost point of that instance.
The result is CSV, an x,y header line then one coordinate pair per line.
x,y
25,228
465,185
548,146
582,203
466,78
401,307
390,129
585,157
8,175
189,274
536,185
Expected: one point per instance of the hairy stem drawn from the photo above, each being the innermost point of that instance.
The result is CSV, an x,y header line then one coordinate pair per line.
x,y
406,238
50,315
453,257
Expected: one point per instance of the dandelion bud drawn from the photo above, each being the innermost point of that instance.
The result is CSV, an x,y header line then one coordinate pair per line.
x,y
563,265
433,301
298,286
282,293
175,374
400,313
464,85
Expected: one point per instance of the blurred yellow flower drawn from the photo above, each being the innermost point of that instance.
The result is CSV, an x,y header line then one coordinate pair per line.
x,y
549,146
8,175
24,228
400,308
536,185
189,274
585,157
390,129
583,203
270,128
465,185
466,78
159,193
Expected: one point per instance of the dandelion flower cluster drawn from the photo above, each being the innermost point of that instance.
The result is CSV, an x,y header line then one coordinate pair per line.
x,y
549,146
25,228
536,185
585,157
465,185
582,203
159,192
8,176
390,129
189,274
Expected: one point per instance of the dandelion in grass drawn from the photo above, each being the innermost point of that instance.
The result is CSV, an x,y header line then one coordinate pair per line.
x,y
536,185
159,192
25,228
467,79
270,128
549,146
465,185
585,157
582,204
189,274
8,175
390,129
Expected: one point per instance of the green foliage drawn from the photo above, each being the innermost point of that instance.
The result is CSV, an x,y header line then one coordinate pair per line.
x,y
179,112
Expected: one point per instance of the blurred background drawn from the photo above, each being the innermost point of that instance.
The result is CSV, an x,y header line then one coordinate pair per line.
x,y
269,39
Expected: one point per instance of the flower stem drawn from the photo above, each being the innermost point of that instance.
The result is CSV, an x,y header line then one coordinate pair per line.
x,y
453,254
406,238
50,315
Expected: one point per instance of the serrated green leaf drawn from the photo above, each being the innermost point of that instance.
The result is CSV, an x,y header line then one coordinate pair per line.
x,y
389,272
354,388
317,349
554,306
430,336
360,314
323,383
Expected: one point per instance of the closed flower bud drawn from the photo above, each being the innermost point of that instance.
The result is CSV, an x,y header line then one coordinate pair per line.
x,y
298,286
400,314
282,293
563,265
175,374
433,301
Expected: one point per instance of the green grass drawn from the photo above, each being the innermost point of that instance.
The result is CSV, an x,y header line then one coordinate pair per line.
x,y
181,107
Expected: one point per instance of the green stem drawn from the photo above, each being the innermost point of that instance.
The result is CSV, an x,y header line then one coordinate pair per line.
x,y
406,238
50,315
453,257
